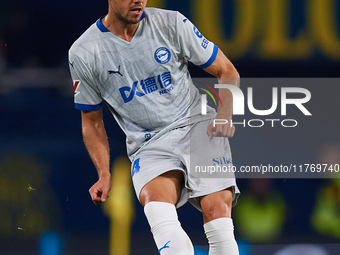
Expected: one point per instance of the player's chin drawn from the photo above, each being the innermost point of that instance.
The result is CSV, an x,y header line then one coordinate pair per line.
x,y
134,18
133,21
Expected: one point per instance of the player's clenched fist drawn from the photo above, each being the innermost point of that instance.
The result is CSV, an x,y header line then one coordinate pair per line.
x,y
99,191
220,130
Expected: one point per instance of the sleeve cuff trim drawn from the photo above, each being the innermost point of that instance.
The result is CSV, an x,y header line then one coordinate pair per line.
x,y
211,59
85,107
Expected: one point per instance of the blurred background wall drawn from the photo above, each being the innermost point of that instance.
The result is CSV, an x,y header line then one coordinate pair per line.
x,y
45,171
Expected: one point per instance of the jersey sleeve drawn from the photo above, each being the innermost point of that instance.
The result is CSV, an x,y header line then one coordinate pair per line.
x,y
86,94
194,46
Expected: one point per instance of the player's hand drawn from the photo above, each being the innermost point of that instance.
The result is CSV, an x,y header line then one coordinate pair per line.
x,y
99,191
221,130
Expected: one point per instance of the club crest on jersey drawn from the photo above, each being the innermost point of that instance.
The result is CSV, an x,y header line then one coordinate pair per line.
x,y
162,55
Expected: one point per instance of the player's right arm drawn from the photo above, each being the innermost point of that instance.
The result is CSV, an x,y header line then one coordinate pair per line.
x,y
87,98
97,145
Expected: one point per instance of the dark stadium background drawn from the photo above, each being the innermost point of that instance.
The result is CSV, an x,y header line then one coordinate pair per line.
x,y
45,171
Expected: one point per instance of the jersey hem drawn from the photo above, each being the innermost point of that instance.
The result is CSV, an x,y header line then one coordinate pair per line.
x,y
211,59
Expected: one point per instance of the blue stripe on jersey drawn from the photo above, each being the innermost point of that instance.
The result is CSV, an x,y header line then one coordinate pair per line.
x,y
86,107
102,28
211,59
142,17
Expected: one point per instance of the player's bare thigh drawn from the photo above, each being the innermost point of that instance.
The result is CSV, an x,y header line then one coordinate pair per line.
x,y
217,205
164,188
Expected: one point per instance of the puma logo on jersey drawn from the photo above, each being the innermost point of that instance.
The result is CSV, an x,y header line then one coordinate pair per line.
x,y
71,64
116,72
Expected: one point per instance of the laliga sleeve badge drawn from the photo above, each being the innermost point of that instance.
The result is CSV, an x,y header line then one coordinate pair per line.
x,y
75,87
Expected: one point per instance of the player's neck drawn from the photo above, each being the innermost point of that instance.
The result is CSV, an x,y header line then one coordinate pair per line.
x,y
120,28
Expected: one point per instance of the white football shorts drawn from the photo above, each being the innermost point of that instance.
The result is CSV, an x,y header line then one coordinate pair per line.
x,y
206,163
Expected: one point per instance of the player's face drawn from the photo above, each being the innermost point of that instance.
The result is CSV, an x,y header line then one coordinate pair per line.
x,y
128,11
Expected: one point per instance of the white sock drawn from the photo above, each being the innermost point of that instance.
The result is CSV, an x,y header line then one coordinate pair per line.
x,y
220,234
167,232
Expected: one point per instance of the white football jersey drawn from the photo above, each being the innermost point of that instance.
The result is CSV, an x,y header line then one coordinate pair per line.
x,y
145,82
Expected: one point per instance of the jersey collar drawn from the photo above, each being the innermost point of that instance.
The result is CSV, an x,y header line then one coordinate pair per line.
x,y
102,28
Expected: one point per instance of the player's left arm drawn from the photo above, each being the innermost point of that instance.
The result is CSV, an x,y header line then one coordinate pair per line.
x,y
226,73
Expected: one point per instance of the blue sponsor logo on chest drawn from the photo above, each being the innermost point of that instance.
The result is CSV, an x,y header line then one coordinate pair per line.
x,y
162,83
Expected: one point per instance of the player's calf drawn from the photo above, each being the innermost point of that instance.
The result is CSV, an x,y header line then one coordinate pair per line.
x,y
218,226
167,232
220,234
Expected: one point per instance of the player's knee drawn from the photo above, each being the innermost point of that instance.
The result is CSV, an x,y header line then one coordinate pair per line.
x,y
147,197
217,205
150,194
213,212
165,188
